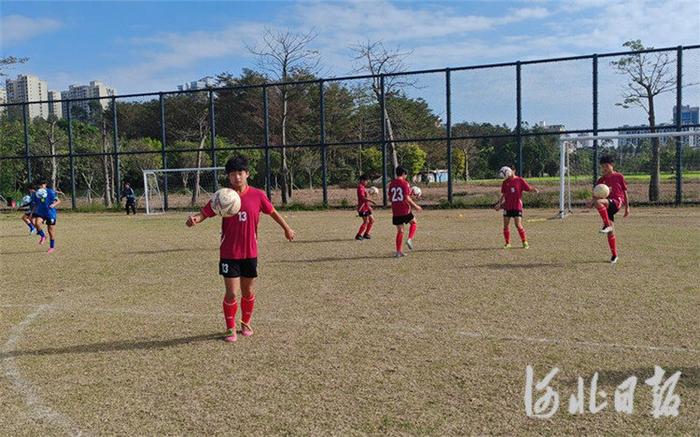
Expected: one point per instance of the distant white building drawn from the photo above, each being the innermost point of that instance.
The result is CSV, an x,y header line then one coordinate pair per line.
x,y
94,90
201,84
3,99
55,108
28,88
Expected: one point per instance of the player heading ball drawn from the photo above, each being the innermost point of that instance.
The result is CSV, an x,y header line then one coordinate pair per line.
x,y
239,246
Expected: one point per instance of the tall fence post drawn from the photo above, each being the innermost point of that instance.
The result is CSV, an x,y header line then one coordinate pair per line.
x,y
212,136
679,125
519,115
266,130
596,154
28,161
163,154
71,158
115,144
448,100
382,108
324,157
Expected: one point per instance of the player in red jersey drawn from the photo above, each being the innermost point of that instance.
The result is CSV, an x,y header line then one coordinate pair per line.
x,y
607,208
364,209
401,204
511,201
239,247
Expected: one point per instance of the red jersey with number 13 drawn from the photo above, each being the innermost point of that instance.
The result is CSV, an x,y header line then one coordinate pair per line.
x,y
239,233
512,189
399,191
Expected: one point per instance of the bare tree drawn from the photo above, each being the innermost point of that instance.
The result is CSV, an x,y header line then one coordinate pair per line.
x,y
10,60
375,59
467,147
280,54
650,74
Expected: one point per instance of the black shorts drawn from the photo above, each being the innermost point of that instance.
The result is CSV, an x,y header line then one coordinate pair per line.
x,y
402,219
235,268
48,221
512,213
364,213
612,210
130,201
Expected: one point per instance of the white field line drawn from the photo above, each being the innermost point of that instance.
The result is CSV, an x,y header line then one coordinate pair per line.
x,y
404,327
37,410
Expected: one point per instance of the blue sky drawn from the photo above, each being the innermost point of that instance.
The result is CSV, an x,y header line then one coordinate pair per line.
x,y
148,46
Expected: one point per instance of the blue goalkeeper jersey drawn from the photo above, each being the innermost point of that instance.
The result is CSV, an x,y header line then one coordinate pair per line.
x,y
42,208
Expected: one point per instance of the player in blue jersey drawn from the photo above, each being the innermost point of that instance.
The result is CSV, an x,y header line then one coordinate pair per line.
x,y
28,204
45,213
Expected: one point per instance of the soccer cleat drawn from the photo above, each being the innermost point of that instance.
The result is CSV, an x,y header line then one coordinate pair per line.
x,y
525,245
613,259
32,231
246,330
606,229
409,243
367,237
230,335
51,250
399,254
41,240
358,237
507,246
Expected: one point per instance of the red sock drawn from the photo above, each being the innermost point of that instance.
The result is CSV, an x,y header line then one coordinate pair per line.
x,y
247,304
612,244
603,211
362,229
506,235
523,237
412,230
399,241
230,309
369,228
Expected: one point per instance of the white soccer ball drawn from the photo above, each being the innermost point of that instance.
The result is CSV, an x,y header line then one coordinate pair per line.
x,y
416,192
373,191
41,193
26,199
601,191
505,172
226,202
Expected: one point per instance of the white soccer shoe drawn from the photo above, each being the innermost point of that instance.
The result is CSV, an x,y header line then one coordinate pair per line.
x,y
606,230
409,244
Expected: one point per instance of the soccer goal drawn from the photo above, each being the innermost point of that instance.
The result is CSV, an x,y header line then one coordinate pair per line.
x,y
576,158
179,188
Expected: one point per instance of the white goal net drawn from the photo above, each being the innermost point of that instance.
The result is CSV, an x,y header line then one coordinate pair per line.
x,y
180,188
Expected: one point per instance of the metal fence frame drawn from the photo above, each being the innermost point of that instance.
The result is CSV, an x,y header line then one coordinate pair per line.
x,y
266,146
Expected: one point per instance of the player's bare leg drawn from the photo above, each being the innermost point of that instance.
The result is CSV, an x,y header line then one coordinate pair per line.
x,y
602,206
233,285
247,305
399,242
521,231
27,221
506,232
52,238
411,233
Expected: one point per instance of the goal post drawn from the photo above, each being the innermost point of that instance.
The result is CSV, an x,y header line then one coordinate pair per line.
x,y
570,145
186,187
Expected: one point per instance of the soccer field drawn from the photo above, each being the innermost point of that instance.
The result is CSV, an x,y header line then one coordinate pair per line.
x,y
120,331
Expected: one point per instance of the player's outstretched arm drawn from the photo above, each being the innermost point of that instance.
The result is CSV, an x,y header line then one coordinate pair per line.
x,y
194,219
413,204
498,203
289,233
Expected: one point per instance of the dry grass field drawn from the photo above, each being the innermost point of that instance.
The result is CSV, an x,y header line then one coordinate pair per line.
x,y
119,331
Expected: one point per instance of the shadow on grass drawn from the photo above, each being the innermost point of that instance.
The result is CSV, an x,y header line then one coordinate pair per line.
x,y
330,240
176,250
113,346
22,252
387,256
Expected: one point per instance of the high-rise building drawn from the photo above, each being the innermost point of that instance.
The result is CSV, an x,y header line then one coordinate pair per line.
x,y
3,99
201,84
27,88
689,115
94,90
55,108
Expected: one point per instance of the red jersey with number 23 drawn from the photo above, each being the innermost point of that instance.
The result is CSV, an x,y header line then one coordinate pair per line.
x,y
239,234
512,189
617,185
399,191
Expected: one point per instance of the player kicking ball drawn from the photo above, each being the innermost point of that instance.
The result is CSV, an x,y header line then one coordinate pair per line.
x,y
239,247
511,201
609,201
364,209
401,205
44,212
28,203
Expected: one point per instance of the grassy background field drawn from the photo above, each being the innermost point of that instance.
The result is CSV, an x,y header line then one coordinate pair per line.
x,y
120,330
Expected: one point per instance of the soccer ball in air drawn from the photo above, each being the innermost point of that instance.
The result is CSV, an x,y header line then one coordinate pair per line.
x,y
226,202
601,191
373,191
26,199
41,193
505,172
416,192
